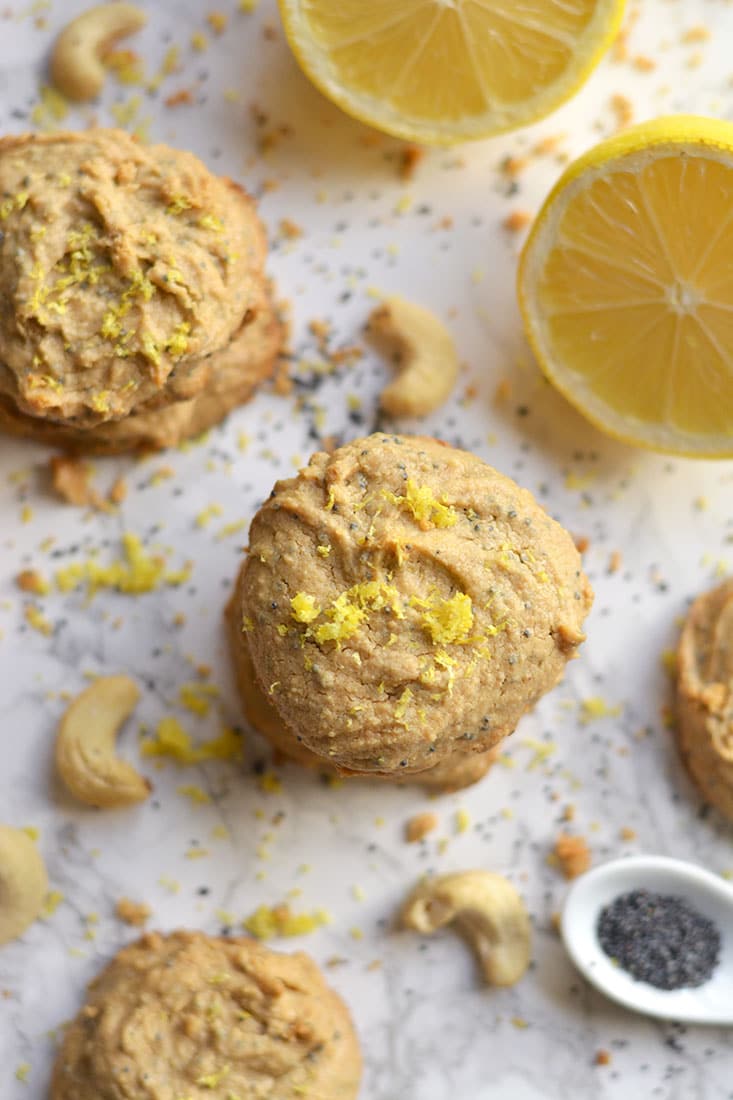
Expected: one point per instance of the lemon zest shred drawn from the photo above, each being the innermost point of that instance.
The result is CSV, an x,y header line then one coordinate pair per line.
x,y
448,621
173,741
304,608
422,504
267,922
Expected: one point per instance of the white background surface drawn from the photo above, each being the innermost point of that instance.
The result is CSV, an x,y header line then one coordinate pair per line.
x,y
429,1030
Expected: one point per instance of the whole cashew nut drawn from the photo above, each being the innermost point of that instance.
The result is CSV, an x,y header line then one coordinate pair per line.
x,y
77,69
85,745
425,354
23,882
486,909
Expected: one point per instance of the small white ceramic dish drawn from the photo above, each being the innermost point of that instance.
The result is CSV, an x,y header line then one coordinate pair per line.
x,y
711,1003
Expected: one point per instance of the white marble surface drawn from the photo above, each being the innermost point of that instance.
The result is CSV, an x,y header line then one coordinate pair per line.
x,y
429,1030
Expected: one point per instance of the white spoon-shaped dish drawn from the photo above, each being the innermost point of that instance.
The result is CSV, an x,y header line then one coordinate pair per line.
x,y
711,1003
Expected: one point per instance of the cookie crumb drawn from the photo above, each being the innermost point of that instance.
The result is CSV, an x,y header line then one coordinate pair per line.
x,y
695,34
623,110
181,98
134,913
517,220
614,561
218,21
290,229
419,826
409,160
71,480
118,492
30,580
572,855
603,1058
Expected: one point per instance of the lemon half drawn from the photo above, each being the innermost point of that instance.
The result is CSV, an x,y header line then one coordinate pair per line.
x,y
626,286
444,71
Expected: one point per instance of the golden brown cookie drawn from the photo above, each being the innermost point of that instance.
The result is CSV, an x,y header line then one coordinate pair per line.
x,y
233,375
120,265
190,1016
405,602
705,695
456,772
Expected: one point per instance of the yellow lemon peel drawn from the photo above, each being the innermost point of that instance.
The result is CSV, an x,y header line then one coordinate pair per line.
x,y
449,621
423,505
172,740
267,922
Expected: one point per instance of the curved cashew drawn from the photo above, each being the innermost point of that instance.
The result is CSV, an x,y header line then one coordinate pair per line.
x,y
76,62
424,352
486,909
85,745
23,882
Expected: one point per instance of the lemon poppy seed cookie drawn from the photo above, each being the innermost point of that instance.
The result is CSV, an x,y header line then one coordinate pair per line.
x,y
705,695
233,375
188,1015
403,602
457,771
124,270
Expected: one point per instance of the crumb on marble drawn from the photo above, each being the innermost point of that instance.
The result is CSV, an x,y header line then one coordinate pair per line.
x,y
517,220
71,480
615,561
182,98
623,110
134,913
409,159
118,491
30,580
218,21
503,391
419,826
513,166
571,855
698,33
290,229
548,145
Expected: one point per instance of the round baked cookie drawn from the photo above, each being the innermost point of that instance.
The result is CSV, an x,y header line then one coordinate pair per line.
x,y
233,374
120,264
404,602
457,771
190,1016
705,695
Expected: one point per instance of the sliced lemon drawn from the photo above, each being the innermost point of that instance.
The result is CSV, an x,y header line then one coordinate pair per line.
x,y
626,286
443,71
